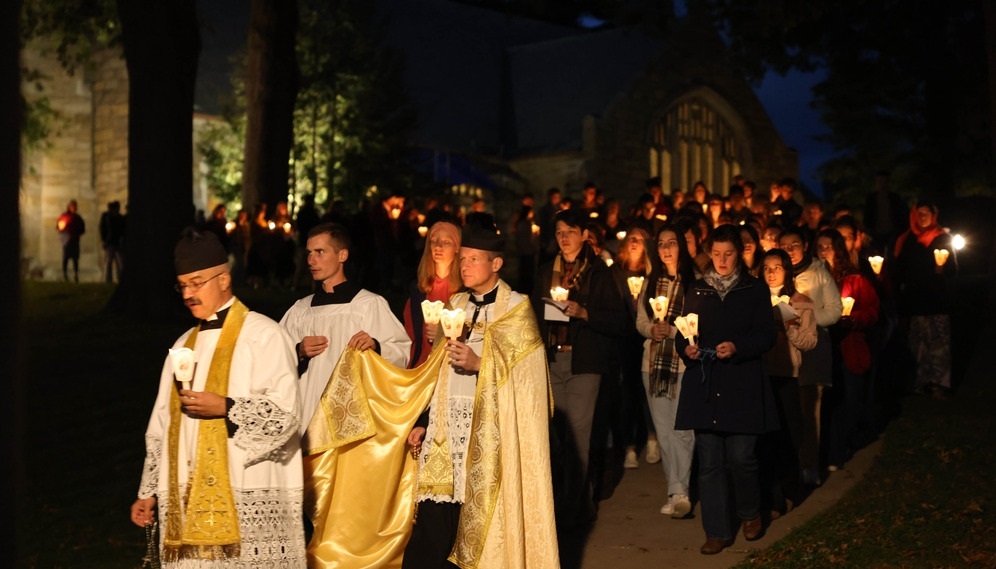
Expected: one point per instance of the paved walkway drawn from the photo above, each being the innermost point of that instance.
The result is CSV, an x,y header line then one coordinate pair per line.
x,y
631,533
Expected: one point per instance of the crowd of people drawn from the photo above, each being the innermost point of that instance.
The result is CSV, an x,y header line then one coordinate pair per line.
x,y
347,436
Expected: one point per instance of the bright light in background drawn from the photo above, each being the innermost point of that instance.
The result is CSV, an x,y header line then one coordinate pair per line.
x,y
957,242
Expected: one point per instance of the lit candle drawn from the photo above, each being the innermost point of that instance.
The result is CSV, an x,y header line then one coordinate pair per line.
x,y
452,321
659,305
593,215
423,231
395,212
876,263
608,262
230,226
941,256
848,303
693,323
620,235
421,218
271,225
431,311
705,208
287,227
535,228
183,365
635,285
559,294
661,217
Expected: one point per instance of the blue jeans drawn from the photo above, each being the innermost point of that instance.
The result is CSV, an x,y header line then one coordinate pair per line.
x,y
716,452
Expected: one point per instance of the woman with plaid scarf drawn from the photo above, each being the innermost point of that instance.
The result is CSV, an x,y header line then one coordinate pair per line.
x,y
672,273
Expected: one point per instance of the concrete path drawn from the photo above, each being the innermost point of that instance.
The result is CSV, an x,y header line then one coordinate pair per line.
x,y
630,531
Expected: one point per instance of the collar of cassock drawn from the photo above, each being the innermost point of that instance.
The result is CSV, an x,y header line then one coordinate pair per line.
x,y
487,299
217,320
343,293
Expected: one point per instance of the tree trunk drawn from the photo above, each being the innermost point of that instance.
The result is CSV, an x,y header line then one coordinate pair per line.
x,y
271,91
990,30
161,46
13,343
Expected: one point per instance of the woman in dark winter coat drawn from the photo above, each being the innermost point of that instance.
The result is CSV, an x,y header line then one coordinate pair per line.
x,y
725,395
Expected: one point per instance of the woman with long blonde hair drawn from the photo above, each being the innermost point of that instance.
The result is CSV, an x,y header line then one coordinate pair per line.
x,y
438,278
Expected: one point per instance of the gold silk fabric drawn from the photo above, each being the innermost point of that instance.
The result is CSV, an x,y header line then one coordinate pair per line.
x,y
359,474
209,526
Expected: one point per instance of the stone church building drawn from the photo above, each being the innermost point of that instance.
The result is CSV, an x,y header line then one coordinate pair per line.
x,y
505,106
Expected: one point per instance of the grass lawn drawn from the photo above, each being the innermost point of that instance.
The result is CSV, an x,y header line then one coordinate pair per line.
x,y
929,501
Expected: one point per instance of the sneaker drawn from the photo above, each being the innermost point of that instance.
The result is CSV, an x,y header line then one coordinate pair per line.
x,y
631,460
680,506
668,508
653,452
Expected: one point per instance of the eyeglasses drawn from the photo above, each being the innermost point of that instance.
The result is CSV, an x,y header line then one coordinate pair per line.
x,y
194,287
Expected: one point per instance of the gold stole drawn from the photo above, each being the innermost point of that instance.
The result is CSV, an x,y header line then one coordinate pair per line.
x,y
210,528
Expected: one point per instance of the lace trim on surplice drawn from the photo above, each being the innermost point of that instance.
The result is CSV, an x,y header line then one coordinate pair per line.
x,y
461,417
264,429
271,527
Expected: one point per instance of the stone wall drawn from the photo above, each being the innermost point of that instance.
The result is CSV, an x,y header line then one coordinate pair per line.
x,y
85,158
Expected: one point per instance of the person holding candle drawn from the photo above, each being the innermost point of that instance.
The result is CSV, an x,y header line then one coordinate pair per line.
x,y
813,280
71,227
923,297
796,334
484,486
853,361
438,279
725,393
672,274
634,424
576,352
223,467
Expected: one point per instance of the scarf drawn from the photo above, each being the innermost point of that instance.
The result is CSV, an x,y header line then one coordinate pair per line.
x,y
210,528
925,236
722,284
663,359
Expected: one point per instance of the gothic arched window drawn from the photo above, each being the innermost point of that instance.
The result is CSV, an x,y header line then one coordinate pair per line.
x,y
693,142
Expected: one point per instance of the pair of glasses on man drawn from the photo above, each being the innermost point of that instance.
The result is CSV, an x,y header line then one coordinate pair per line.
x,y
195,286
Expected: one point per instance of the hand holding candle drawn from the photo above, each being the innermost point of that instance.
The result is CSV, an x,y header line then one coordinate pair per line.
x,y
876,263
183,365
431,311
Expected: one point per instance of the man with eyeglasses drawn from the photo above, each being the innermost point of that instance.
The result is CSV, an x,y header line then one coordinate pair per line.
x,y
223,461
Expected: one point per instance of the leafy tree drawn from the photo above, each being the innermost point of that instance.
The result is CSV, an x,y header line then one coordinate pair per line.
x,y
905,86
351,120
